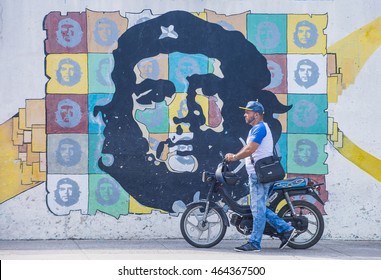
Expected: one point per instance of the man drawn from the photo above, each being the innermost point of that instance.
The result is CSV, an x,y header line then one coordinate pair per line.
x,y
259,144
306,153
305,113
306,73
276,74
103,73
68,152
68,72
305,35
105,32
69,33
68,113
67,192
268,35
107,192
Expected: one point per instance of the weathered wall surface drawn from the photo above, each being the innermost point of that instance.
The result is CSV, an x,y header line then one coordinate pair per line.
x,y
110,112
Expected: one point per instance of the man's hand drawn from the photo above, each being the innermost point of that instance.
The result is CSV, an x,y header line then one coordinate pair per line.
x,y
230,157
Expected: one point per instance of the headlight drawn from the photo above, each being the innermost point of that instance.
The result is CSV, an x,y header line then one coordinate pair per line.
x,y
207,176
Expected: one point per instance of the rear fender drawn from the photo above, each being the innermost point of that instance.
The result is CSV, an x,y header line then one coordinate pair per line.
x,y
306,192
276,197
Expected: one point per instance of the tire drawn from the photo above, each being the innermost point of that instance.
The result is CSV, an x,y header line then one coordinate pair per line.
x,y
202,235
312,235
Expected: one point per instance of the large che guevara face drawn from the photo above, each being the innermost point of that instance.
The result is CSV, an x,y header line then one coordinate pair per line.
x,y
176,106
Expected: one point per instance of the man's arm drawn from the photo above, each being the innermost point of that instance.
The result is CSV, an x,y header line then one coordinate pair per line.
x,y
243,153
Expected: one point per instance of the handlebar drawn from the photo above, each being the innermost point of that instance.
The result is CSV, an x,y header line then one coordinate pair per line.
x,y
222,155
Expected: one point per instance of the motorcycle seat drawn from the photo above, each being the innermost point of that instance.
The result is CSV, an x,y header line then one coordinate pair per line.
x,y
293,182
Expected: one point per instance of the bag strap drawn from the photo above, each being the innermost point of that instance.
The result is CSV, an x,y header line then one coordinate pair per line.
x,y
251,158
275,153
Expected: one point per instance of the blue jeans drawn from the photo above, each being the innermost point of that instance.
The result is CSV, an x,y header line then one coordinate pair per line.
x,y
258,197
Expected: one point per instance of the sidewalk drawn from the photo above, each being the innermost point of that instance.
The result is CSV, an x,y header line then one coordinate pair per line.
x,y
178,249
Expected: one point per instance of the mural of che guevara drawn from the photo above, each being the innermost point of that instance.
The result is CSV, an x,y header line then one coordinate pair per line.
x,y
162,131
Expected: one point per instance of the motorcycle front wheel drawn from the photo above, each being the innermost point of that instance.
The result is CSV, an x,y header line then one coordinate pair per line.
x,y
202,233
307,238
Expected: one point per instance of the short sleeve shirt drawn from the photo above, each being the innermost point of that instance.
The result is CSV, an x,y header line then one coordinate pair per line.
x,y
260,134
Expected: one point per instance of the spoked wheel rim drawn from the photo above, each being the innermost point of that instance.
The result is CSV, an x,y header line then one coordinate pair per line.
x,y
203,232
310,236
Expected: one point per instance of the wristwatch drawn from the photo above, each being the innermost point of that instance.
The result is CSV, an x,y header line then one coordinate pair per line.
x,y
234,157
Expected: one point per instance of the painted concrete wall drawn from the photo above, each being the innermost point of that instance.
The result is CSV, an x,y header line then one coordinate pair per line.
x,y
342,106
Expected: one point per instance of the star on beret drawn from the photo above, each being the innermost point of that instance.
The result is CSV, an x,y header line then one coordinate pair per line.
x,y
168,32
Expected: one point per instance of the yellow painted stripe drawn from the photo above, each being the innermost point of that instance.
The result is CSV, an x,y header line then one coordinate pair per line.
x,y
15,175
353,51
361,158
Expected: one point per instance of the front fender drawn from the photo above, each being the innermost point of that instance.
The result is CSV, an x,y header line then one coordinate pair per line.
x,y
214,206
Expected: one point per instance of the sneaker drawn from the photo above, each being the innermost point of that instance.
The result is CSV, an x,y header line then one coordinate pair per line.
x,y
286,237
247,247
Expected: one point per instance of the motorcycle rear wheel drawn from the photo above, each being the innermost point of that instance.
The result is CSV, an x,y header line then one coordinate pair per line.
x,y
312,235
199,233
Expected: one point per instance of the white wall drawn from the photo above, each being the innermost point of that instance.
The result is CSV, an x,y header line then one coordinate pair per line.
x,y
354,208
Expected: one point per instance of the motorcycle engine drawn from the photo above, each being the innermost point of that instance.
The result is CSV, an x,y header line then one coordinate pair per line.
x,y
244,225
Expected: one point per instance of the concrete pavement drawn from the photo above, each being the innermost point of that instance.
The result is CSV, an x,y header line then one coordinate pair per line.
x,y
178,249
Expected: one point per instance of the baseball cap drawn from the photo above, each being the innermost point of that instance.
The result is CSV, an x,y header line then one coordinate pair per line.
x,y
254,106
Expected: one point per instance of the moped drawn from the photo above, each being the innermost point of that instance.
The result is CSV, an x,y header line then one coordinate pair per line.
x,y
203,224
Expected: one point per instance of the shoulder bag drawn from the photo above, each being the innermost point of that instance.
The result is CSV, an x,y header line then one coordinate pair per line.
x,y
269,169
